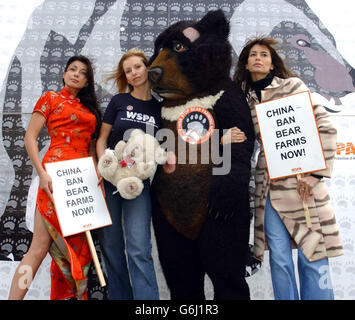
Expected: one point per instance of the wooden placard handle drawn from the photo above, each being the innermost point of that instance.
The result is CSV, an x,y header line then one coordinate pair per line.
x,y
305,208
95,259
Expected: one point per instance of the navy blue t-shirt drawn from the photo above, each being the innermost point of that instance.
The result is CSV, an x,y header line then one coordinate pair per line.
x,y
125,112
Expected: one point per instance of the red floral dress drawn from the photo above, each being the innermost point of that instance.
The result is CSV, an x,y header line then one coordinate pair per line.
x,y
70,126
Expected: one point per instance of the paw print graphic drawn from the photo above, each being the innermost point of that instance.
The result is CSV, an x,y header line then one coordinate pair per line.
x,y
188,7
200,7
26,180
19,123
350,267
212,6
258,292
136,36
339,291
57,53
162,22
351,291
148,36
4,290
339,181
13,85
341,201
13,201
149,22
162,7
345,223
9,224
175,7
23,202
43,68
17,181
308,71
8,122
22,226
226,7
7,141
55,68
148,52
44,141
10,103
21,247
348,244
19,142
53,85
18,160
45,52
96,293
69,52
6,245
351,181
336,268
35,291
150,7
124,36
136,22
293,55
15,68
100,6
137,7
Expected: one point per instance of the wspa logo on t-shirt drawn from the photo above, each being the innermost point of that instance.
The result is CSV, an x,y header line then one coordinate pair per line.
x,y
138,116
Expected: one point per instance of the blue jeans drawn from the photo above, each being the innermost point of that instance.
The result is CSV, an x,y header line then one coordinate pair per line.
x,y
137,280
314,277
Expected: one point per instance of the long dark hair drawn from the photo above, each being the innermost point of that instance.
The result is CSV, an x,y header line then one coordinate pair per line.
x,y
87,95
242,75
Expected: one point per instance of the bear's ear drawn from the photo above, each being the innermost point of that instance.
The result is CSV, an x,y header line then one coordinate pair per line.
x,y
191,33
214,22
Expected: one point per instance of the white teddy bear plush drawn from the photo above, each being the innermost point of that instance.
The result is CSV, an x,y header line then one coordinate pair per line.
x,y
131,163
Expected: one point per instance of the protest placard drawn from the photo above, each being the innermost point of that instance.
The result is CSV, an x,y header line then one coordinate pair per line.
x,y
79,201
289,136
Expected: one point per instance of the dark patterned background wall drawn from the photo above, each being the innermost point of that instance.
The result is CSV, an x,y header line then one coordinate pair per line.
x,y
102,30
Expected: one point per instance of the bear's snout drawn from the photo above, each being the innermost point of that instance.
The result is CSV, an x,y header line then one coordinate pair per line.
x,y
154,74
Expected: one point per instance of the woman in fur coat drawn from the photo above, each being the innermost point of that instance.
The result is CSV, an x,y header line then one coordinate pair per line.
x,y
279,213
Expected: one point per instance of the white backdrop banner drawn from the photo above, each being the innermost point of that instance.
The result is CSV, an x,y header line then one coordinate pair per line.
x,y
103,30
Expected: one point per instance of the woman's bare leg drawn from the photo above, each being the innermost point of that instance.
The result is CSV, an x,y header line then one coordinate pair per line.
x,y
26,270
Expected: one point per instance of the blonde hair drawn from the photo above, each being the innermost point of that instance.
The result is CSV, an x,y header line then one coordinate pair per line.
x,y
118,74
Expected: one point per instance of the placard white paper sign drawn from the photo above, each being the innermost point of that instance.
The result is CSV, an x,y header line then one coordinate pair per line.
x,y
79,201
290,136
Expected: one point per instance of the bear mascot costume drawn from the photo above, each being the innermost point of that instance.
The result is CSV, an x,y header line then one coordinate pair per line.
x,y
201,216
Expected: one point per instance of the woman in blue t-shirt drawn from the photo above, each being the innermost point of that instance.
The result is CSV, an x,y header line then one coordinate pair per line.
x,y
136,109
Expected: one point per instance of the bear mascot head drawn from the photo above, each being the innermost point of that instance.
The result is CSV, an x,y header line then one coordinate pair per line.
x,y
192,59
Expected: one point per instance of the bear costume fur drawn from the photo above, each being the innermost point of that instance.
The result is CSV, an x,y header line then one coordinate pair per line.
x,y
201,219
131,162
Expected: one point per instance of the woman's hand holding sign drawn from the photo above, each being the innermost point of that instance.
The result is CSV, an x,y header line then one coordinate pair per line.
x,y
305,186
45,183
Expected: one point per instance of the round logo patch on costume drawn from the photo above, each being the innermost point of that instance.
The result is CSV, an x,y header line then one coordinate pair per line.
x,y
195,125
129,108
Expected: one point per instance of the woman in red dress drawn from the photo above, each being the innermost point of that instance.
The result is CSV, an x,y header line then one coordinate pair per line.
x,y
72,117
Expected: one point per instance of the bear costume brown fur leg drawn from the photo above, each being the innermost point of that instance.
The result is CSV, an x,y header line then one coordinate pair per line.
x,y
201,220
